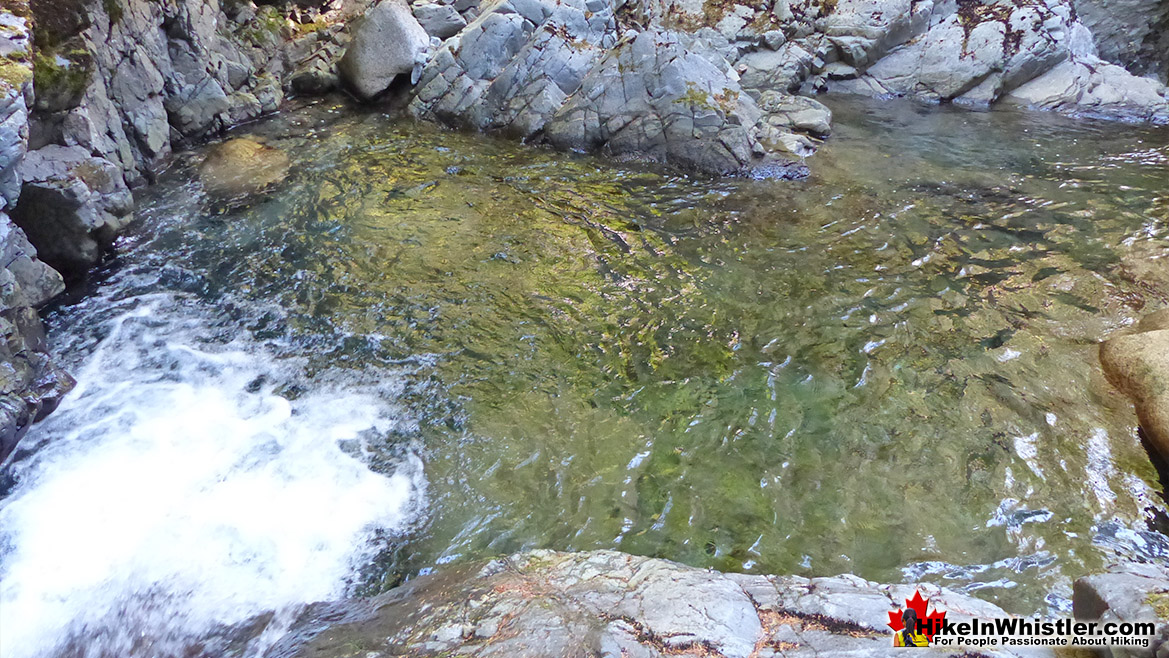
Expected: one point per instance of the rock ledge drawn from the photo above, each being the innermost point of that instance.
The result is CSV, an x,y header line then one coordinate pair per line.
x,y
605,603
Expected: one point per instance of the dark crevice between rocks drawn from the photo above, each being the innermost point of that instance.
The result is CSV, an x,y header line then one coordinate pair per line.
x,y
661,644
1157,520
818,622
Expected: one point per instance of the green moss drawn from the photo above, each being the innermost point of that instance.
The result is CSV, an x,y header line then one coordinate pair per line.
x,y
63,84
268,22
18,7
696,97
1160,603
269,19
14,73
309,28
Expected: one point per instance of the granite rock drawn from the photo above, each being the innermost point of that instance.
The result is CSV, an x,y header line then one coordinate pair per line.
x,y
604,603
388,42
72,205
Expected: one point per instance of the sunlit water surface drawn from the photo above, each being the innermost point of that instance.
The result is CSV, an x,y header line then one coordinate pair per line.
x,y
427,347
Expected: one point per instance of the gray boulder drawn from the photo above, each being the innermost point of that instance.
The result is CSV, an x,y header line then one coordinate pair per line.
x,y
317,72
784,69
976,52
604,603
864,31
515,65
72,205
385,44
662,95
1125,592
439,19
1094,88
25,279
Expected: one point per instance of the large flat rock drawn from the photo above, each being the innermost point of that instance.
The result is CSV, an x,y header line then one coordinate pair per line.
x,y
605,603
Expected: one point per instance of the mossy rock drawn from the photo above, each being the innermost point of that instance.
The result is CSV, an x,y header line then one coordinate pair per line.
x,y
15,73
1159,601
18,7
60,81
114,9
56,22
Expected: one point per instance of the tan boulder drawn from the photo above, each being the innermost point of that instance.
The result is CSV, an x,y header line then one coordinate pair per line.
x,y
242,167
1137,363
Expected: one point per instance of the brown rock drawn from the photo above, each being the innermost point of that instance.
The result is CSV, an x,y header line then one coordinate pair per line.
x,y
242,167
1138,365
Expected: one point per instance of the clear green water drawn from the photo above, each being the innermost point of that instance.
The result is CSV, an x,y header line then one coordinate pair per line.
x,y
888,369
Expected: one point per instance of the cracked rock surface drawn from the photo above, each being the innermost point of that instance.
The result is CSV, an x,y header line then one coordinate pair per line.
x,y
570,73
605,603
682,81
1036,53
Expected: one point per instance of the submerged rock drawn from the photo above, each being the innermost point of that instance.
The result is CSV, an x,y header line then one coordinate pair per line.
x,y
1138,365
545,603
242,167
386,43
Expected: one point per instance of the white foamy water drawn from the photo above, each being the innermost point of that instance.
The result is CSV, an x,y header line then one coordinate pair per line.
x,y
175,492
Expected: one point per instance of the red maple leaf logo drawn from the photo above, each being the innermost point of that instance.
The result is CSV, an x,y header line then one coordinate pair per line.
x,y
931,622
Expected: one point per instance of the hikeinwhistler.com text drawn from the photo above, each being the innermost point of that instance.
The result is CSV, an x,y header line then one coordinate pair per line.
x,y
1040,632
